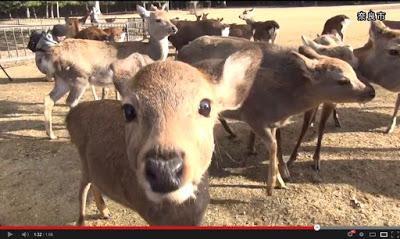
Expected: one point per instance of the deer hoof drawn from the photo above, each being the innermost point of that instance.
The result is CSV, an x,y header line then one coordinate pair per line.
x,y
389,130
269,191
52,136
106,214
80,222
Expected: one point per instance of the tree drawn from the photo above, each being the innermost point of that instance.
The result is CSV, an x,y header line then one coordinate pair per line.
x,y
9,6
30,5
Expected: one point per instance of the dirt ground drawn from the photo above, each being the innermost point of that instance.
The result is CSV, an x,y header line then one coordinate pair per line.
x,y
39,178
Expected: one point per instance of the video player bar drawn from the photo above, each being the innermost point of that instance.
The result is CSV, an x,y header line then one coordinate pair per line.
x,y
202,232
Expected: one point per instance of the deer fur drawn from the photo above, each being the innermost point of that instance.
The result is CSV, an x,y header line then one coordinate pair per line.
x,y
190,30
117,141
95,58
287,83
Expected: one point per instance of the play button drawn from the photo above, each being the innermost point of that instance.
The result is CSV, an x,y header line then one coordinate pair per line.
x,y
9,234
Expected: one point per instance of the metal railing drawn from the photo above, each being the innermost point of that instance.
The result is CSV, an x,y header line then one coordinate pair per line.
x,y
14,40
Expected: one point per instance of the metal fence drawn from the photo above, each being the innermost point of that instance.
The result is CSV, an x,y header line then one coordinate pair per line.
x,y
14,40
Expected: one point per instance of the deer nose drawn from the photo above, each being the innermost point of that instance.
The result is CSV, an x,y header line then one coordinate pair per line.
x,y
164,175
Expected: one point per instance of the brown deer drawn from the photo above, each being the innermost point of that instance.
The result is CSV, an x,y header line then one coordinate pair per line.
x,y
377,64
288,82
336,25
190,30
76,63
262,31
138,152
74,25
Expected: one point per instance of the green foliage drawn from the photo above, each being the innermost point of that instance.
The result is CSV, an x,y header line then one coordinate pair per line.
x,y
31,4
9,6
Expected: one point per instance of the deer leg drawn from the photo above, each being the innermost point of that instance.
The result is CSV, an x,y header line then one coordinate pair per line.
x,y
282,164
306,123
49,77
94,92
117,95
274,177
104,92
227,128
336,118
326,111
100,204
75,95
392,125
313,117
83,192
251,145
59,90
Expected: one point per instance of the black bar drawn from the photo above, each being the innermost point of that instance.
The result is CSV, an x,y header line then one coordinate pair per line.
x,y
206,233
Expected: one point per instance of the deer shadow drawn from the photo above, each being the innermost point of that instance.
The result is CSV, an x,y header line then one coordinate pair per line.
x,y
5,80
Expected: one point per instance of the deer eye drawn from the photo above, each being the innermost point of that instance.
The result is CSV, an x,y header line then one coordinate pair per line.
x,y
205,107
129,112
394,52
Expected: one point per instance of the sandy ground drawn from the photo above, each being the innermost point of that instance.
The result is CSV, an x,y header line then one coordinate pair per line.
x,y
39,178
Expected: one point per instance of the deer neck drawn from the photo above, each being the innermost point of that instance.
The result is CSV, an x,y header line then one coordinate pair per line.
x,y
365,66
158,49
249,21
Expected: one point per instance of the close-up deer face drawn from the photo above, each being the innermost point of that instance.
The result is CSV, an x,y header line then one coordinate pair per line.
x,y
384,56
333,78
170,110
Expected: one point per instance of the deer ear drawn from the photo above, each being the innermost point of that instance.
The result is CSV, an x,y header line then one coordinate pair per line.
x,y
238,73
377,29
307,65
153,8
164,6
142,11
309,52
310,43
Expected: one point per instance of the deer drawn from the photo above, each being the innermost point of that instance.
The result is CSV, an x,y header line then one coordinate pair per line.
x,y
138,151
332,34
288,82
376,64
190,30
75,30
262,31
336,25
76,63
392,126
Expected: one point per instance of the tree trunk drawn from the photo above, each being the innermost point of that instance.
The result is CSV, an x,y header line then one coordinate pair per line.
x,y
52,10
34,13
9,15
47,9
28,13
97,5
58,9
